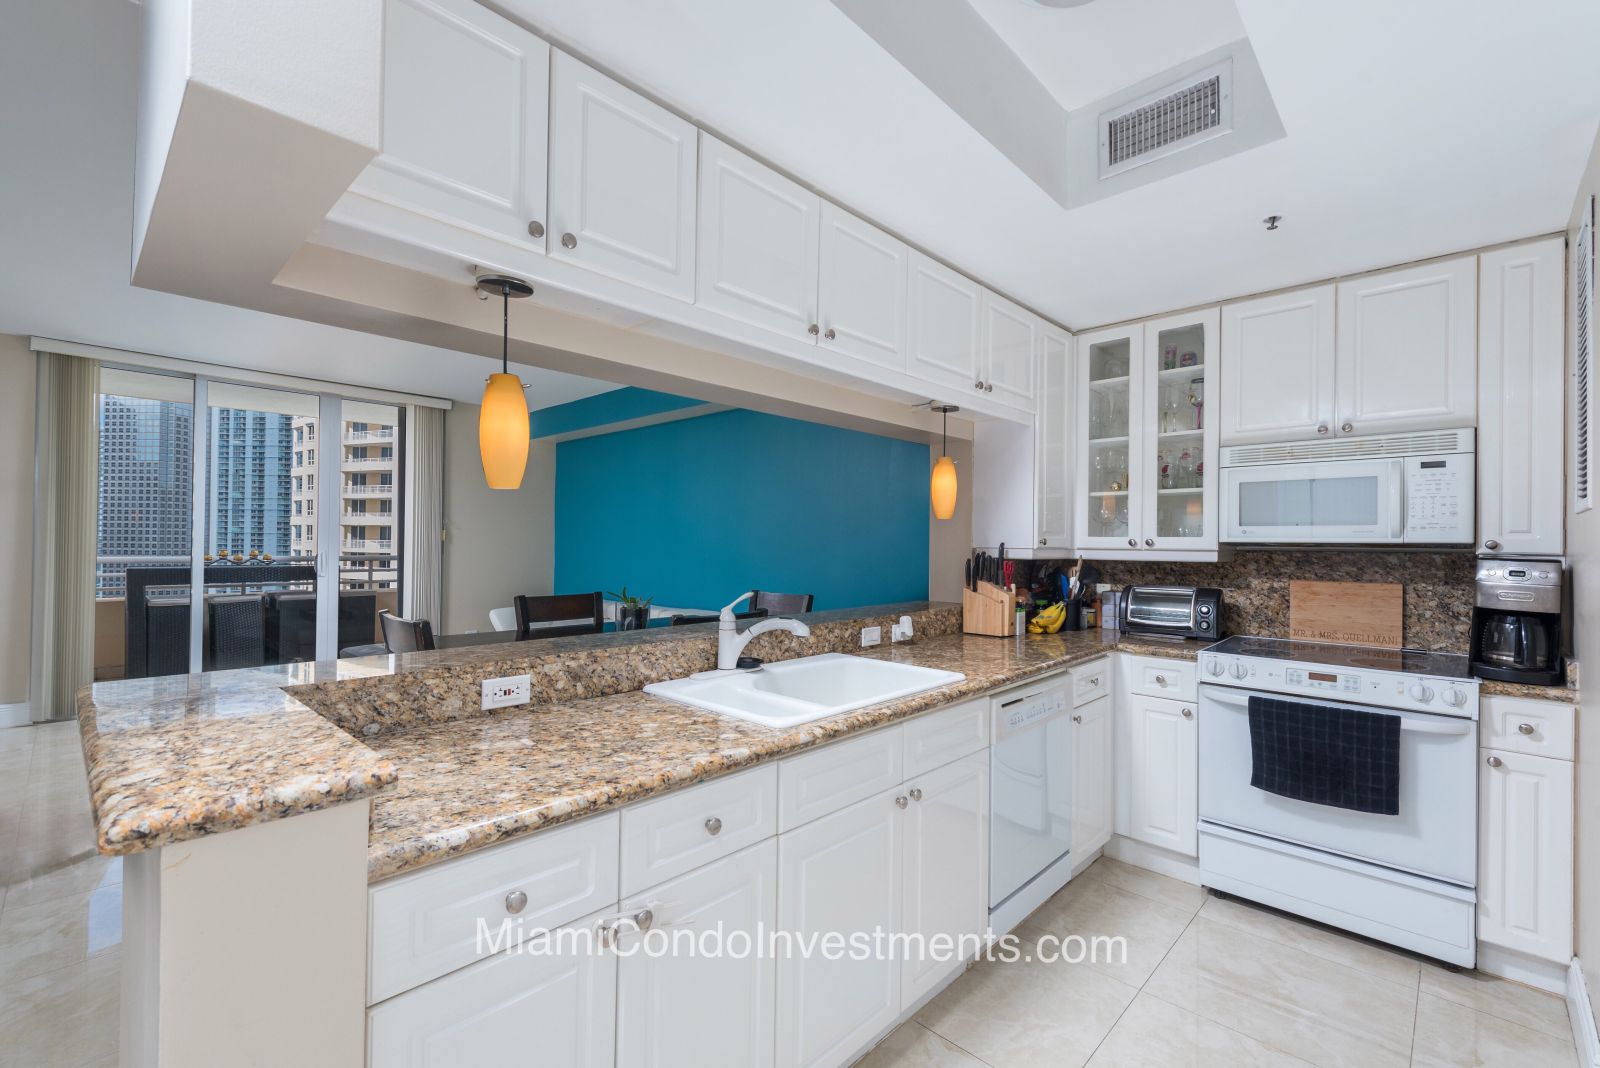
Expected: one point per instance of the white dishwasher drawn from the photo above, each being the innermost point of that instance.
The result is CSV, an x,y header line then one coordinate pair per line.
x,y
1030,798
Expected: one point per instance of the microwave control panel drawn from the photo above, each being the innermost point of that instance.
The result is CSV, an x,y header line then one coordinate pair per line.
x,y
1439,499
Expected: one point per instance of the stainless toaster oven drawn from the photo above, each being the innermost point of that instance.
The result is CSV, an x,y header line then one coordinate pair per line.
x,y
1175,611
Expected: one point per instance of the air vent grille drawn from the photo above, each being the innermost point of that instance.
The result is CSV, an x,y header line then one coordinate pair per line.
x,y
1172,118
1289,452
1583,362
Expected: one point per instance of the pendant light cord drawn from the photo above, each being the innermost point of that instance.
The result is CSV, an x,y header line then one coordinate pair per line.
x,y
505,328
944,436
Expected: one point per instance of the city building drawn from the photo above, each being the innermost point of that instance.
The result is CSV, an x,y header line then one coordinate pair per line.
x,y
145,485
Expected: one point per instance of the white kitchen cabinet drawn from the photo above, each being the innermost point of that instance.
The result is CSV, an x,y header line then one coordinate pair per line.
x,y
758,242
942,326
1278,368
1091,776
1521,387
1163,758
557,1008
861,292
839,874
1147,445
946,870
482,166
1406,349
690,1007
1525,854
1008,341
622,181
1053,457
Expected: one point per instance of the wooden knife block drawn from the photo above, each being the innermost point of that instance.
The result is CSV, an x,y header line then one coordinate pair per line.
x,y
989,610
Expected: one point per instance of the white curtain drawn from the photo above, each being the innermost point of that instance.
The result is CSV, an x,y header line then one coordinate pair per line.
x,y
67,461
424,591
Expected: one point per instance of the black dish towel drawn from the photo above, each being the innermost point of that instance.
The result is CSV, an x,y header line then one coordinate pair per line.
x,y
1327,756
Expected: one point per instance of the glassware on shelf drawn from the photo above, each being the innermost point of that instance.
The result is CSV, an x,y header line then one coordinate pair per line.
x,y
1189,359
1169,355
1169,411
1164,469
1186,469
1197,400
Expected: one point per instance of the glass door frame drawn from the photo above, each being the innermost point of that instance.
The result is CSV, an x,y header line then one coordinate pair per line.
x,y
1209,321
1085,344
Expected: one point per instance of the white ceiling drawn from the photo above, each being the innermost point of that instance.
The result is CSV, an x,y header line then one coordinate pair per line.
x,y
1412,129
1067,48
66,195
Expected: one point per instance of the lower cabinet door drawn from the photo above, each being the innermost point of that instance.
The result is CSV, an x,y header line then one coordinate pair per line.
x,y
1525,853
1091,777
840,882
1163,756
686,993
946,873
520,1007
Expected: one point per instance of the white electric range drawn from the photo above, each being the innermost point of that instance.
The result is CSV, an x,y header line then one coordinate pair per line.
x,y
1408,878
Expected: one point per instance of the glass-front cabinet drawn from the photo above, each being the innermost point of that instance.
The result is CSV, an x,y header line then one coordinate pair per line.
x,y
1147,455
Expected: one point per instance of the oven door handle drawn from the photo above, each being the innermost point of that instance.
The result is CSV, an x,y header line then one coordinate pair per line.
x,y
1418,727
1415,726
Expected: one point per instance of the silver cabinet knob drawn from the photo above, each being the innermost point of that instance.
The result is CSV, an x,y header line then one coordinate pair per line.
x,y
1133,543
1161,680
1044,541
1525,728
1345,428
1495,762
516,901
828,334
916,793
607,932
536,229
644,919
568,241
713,826
1150,542
900,802
1491,545
813,329
1188,713
1322,428
988,387
1077,719
978,384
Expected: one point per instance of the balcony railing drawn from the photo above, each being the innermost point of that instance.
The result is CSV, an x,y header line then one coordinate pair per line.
x,y
366,463
367,568
361,437
350,518
382,489
369,545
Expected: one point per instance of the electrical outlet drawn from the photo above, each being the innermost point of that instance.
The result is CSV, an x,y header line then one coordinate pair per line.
x,y
871,636
511,690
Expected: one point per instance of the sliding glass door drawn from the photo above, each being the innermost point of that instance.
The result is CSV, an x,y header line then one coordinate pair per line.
x,y
281,507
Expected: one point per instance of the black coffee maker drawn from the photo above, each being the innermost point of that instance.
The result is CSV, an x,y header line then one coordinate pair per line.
x,y
1517,632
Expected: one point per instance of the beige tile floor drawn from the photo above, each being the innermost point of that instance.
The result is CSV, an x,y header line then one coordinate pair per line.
x,y
1213,981
1207,981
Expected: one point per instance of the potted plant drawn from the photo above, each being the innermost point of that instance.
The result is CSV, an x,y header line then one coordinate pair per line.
x,y
632,613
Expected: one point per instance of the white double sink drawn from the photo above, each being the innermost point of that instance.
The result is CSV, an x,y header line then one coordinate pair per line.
x,y
791,692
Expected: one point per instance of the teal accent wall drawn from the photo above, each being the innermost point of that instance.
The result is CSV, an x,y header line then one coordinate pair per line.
x,y
693,513
602,409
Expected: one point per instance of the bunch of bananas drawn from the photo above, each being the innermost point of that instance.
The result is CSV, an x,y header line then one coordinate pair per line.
x,y
1050,620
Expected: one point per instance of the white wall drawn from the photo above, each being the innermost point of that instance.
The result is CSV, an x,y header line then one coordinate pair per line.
x,y
1583,554
950,540
497,542
17,366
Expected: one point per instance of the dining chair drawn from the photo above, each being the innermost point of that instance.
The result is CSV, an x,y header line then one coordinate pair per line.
x,y
236,635
559,615
405,635
686,620
779,603
503,618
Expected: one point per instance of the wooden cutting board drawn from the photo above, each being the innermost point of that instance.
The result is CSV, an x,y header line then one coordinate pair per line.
x,y
1352,613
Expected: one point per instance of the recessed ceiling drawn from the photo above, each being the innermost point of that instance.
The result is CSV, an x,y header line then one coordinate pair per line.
x,y
1081,54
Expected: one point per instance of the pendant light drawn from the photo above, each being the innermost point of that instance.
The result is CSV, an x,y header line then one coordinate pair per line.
x,y
503,420
942,486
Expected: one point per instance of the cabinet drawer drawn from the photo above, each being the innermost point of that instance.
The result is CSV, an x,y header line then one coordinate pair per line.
x,y
426,924
1154,676
815,784
1527,725
1090,681
664,838
939,737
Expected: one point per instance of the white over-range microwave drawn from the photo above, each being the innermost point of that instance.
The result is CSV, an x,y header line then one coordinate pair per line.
x,y
1395,489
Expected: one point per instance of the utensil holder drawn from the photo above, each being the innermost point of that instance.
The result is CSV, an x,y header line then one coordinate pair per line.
x,y
990,610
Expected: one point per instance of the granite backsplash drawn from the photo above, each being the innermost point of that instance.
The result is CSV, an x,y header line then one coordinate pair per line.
x,y
1255,587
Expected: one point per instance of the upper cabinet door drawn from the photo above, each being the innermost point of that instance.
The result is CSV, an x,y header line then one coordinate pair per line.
x,y
1178,446
478,164
1278,368
862,288
1050,424
942,341
1407,353
1009,339
1521,325
1109,374
622,181
758,242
